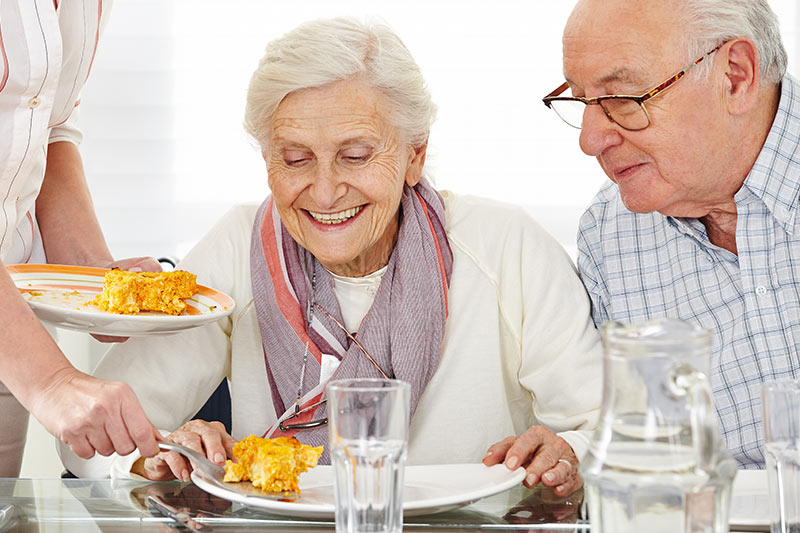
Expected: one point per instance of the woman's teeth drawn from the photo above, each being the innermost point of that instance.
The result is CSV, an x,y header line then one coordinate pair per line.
x,y
336,218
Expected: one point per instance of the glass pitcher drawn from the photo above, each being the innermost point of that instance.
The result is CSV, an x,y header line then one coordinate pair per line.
x,y
657,461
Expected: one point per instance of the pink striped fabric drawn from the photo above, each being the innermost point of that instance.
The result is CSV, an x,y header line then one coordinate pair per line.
x,y
403,329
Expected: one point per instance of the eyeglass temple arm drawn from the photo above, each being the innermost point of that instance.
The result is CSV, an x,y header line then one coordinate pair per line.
x,y
352,338
560,89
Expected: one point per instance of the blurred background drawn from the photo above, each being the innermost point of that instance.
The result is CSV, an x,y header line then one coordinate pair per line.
x,y
166,156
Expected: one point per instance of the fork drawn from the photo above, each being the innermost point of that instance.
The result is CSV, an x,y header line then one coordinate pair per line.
x,y
215,473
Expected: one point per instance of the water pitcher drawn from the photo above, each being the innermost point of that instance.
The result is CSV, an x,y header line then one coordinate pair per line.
x,y
657,461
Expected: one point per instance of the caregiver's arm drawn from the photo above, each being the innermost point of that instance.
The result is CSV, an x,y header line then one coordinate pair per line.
x,y
86,413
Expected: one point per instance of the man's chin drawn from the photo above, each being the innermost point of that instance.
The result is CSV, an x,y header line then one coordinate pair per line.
x,y
636,204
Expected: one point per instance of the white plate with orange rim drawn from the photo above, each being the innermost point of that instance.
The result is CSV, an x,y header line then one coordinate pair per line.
x,y
427,489
62,295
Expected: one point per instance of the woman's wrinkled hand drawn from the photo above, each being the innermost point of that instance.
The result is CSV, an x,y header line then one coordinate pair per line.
x,y
545,456
208,438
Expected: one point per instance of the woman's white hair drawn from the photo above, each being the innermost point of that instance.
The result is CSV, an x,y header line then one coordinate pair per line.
x,y
712,22
324,51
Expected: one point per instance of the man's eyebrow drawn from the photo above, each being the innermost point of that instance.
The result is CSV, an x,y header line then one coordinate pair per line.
x,y
620,75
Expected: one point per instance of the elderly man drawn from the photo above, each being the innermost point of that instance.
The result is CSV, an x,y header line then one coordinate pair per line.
x,y
700,220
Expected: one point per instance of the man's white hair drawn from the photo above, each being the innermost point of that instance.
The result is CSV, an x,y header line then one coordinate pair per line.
x,y
712,22
324,51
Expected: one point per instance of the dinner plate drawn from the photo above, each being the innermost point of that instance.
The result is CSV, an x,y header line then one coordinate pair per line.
x,y
62,294
750,501
427,489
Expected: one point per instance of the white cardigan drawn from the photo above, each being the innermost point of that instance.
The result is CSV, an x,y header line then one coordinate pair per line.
x,y
520,348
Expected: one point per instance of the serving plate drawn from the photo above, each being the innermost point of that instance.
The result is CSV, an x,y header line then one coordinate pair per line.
x,y
61,295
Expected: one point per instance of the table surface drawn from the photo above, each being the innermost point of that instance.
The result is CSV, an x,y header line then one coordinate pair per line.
x,y
67,505
85,505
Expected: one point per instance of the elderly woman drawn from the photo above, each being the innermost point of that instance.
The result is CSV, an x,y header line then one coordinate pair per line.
x,y
468,300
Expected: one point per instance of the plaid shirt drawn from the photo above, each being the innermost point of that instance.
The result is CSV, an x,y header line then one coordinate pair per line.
x,y
642,266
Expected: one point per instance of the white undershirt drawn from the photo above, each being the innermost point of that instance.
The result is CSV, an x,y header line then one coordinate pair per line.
x,y
356,295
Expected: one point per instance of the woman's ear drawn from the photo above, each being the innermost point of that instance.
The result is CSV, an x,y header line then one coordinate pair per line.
x,y
416,163
743,77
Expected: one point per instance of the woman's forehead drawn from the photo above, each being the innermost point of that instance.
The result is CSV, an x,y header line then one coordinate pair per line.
x,y
344,108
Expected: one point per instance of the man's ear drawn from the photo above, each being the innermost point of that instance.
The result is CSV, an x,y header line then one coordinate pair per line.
x,y
743,79
417,162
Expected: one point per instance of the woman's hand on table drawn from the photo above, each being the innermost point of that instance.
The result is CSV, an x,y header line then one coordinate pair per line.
x,y
545,456
208,438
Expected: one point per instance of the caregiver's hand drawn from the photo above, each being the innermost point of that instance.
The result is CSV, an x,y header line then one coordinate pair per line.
x,y
546,457
208,438
91,414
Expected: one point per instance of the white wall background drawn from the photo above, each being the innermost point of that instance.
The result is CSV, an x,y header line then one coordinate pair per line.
x,y
165,151
166,156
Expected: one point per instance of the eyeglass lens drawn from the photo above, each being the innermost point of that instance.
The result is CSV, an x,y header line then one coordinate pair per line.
x,y
624,111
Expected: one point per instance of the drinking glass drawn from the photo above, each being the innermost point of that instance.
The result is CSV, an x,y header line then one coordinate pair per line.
x,y
368,421
781,404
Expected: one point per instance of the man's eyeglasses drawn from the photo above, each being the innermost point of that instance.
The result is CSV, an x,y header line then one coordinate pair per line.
x,y
323,421
626,110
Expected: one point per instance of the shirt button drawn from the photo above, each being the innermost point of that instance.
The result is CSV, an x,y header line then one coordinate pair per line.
x,y
761,290
34,102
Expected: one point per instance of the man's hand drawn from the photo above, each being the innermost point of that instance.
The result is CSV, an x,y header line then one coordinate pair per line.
x,y
208,438
546,457
91,414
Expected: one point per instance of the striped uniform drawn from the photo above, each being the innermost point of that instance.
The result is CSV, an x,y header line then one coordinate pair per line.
x,y
46,51
642,266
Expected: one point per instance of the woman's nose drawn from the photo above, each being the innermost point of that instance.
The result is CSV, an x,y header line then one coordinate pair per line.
x,y
598,132
327,186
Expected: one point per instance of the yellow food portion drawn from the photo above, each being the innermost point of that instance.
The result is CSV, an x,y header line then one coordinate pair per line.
x,y
273,465
127,293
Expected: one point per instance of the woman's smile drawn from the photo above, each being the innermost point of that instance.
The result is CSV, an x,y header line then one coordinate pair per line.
x,y
337,218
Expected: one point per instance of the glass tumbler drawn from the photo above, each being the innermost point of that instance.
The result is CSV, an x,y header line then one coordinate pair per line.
x,y
368,421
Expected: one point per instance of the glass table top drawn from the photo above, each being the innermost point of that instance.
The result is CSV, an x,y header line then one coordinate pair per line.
x,y
67,505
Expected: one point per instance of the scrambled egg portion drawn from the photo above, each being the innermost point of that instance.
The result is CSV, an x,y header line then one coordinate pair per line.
x,y
273,465
127,293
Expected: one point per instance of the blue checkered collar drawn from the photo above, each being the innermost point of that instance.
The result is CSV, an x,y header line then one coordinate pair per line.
x,y
775,176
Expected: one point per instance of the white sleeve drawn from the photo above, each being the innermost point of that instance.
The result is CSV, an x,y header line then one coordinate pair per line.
x,y
174,375
68,131
561,351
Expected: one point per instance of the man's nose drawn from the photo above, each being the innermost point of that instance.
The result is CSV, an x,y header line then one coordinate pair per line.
x,y
598,132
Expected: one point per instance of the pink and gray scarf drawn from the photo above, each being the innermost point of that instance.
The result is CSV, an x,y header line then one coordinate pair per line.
x,y
403,329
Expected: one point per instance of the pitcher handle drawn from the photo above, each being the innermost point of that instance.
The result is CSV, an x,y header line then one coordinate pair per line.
x,y
687,382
